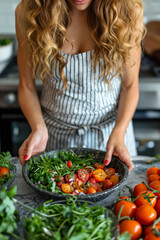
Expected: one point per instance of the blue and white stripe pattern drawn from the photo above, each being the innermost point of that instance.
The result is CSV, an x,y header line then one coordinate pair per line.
x,y
84,115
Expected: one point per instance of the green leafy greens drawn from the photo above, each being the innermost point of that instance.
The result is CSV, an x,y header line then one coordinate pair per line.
x,y
5,158
70,221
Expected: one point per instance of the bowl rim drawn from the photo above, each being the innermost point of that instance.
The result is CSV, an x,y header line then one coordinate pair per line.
x,y
59,195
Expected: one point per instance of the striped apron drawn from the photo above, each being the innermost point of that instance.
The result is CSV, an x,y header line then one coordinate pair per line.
x,y
84,115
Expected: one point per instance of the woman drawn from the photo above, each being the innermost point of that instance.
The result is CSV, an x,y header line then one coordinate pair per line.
x,y
87,53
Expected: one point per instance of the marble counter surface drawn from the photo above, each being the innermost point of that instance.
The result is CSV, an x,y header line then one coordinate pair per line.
x,y
32,198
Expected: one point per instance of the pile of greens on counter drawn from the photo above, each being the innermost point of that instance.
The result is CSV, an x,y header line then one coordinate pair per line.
x,y
69,222
5,41
43,172
5,167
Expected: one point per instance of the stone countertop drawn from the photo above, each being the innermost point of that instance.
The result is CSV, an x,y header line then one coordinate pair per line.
x,y
29,196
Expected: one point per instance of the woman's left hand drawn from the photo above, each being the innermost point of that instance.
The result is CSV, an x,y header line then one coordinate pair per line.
x,y
116,146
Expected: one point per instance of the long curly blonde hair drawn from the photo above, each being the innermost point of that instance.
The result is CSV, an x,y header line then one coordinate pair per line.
x,y
113,25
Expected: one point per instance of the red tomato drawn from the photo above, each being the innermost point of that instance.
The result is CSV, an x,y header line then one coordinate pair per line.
x,y
133,227
151,236
157,207
115,179
146,197
124,197
145,214
59,183
89,170
99,175
83,175
95,185
99,165
91,190
157,188
153,177
154,184
139,188
129,208
110,172
4,171
107,184
70,177
149,228
69,164
151,171
92,180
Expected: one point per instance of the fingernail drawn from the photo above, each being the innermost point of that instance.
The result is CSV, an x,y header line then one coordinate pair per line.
x,y
26,156
106,162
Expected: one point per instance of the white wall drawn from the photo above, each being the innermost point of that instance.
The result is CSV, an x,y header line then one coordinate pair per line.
x,y
7,8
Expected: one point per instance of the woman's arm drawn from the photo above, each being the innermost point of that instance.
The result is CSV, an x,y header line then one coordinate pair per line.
x,y
28,99
128,100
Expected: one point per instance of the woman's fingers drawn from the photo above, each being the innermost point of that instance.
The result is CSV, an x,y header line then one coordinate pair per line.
x,y
108,156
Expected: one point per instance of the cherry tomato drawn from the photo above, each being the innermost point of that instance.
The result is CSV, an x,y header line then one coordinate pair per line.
x,y
124,197
145,214
151,236
115,179
139,188
83,175
146,197
89,170
157,207
110,172
151,171
99,166
149,228
153,177
157,188
4,171
99,175
154,184
69,164
95,185
133,227
129,208
91,190
107,184
60,181
70,177
92,180
66,188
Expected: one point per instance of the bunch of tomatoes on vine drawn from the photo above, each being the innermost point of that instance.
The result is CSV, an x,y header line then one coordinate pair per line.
x,y
139,214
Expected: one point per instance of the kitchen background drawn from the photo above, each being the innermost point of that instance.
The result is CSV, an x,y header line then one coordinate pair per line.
x,y
13,126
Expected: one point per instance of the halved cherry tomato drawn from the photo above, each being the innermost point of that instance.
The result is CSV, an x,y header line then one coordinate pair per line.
x,y
99,175
153,177
110,172
4,171
66,188
60,181
69,164
107,184
145,214
89,170
70,177
92,180
99,165
115,179
133,227
146,197
95,185
139,188
91,190
129,208
151,171
83,175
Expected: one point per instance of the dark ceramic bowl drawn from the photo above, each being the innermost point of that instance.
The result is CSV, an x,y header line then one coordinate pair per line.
x,y
108,213
120,167
11,180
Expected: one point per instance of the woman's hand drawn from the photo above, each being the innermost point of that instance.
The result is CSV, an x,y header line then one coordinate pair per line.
x,y
34,144
116,146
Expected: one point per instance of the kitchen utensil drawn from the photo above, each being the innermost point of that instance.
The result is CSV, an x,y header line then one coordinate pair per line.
x,y
120,167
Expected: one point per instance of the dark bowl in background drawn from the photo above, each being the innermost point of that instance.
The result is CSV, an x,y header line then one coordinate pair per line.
x,y
8,183
108,212
120,167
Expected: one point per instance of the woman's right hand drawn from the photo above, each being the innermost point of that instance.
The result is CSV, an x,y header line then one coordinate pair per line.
x,y
34,144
